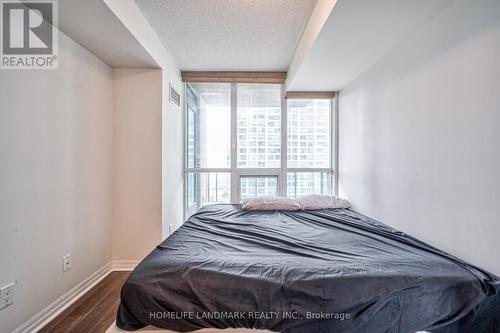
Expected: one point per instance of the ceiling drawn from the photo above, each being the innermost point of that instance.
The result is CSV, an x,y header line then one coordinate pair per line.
x,y
356,35
259,35
107,37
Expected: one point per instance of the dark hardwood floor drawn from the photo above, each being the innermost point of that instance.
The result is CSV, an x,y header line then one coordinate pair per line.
x,y
94,312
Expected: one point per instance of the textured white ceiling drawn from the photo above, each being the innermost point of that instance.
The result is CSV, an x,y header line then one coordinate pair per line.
x,y
356,35
259,35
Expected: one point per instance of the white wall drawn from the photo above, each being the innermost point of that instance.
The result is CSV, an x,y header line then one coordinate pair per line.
x,y
137,182
420,134
69,172
172,119
56,159
318,18
172,157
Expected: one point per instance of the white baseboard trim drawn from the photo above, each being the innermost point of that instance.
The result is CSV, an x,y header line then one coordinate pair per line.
x,y
123,265
42,318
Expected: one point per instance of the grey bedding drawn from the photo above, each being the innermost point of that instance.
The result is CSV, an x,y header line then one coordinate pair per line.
x,y
303,272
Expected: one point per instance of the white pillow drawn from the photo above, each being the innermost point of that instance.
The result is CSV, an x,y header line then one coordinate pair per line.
x,y
317,201
270,203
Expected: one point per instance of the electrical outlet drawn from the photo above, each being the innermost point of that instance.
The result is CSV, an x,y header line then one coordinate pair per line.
x,y
66,261
170,229
7,295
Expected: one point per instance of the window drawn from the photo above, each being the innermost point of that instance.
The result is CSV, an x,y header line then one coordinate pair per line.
x,y
235,144
206,188
309,151
208,125
208,144
259,125
301,183
308,133
258,186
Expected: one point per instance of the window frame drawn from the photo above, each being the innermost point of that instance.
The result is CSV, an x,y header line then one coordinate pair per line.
x,y
281,172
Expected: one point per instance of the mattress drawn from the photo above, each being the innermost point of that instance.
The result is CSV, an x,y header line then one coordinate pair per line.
x,y
330,270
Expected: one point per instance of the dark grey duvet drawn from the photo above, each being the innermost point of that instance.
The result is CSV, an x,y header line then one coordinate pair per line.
x,y
328,271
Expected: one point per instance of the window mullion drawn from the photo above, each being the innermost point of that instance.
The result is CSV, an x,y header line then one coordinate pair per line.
x,y
282,178
334,110
235,193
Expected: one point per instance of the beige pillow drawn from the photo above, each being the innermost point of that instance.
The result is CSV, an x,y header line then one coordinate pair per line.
x,y
270,203
317,201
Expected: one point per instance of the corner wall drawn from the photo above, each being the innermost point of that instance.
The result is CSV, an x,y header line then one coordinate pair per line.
x,y
172,119
172,157
137,173
420,134
56,162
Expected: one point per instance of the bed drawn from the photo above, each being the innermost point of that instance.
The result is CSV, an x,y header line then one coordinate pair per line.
x,y
329,270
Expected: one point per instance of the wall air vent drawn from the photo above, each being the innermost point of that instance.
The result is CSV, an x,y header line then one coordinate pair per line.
x,y
175,97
